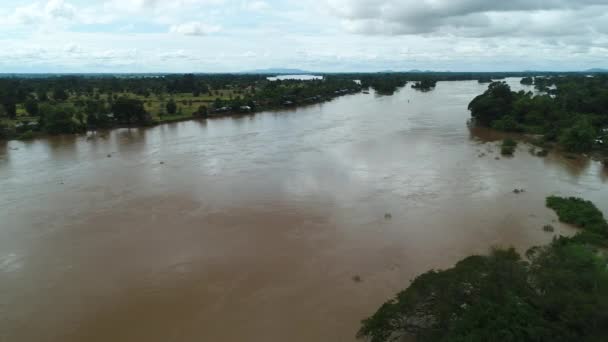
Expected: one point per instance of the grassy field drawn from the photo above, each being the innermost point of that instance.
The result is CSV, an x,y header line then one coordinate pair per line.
x,y
154,104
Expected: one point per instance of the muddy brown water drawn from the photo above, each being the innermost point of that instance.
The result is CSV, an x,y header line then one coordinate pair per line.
x,y
253,228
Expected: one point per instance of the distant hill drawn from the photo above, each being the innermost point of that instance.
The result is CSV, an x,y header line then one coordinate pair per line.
x,y
277,71
596,70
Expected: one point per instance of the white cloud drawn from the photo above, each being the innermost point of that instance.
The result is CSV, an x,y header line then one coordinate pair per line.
x,y
194,29
256,5
468,17
324,35
40,13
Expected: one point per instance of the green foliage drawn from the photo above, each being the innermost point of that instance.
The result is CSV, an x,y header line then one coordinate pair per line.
x,y
425,85
527,81
578,138
580,213
507,148
31,106
129,111
561,294
9,109
171,107
42,95
59,119
493,104
570,110
7,131
97,114
507,124
27,135
385,84
59,94
201,112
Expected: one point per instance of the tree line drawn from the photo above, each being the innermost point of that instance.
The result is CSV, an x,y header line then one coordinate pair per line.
x,y
72,104
570,111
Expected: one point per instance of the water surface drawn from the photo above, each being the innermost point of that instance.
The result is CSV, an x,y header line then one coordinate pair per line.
x,y
295,77
253,228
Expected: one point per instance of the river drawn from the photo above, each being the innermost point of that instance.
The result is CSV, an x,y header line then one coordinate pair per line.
x,y
253,228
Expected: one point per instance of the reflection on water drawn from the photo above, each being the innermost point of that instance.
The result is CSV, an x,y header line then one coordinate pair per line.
x,y
252,228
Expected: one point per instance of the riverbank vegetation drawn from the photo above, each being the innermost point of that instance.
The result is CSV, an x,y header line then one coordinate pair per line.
x,y
558,292
568,111
583,214
384,84
425,85
73,104
507,148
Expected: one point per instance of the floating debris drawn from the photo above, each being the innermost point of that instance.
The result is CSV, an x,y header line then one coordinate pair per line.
x,y
388,216
548,228
109,155
357,279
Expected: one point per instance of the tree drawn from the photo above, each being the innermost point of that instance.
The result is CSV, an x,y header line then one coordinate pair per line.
x,y
493,104
128,110
59,119
561,295
201,112
527,81
59,94
31,106
97,114
580,137
10,108
6,131
41,95
171,107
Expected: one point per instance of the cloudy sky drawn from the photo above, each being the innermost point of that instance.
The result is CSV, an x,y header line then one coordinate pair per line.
x,y
321,35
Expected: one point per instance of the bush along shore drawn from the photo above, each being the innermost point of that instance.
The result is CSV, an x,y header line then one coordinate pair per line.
x,y
567,112
557,292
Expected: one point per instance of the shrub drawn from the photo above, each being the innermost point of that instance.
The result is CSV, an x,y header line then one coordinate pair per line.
x,y
508,147
27,135
579,212
507,124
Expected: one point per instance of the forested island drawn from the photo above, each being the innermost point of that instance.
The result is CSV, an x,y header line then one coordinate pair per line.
x,y
557,292
425,85
570,112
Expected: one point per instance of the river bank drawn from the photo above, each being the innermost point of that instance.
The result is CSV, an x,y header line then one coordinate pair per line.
x,y
28,131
